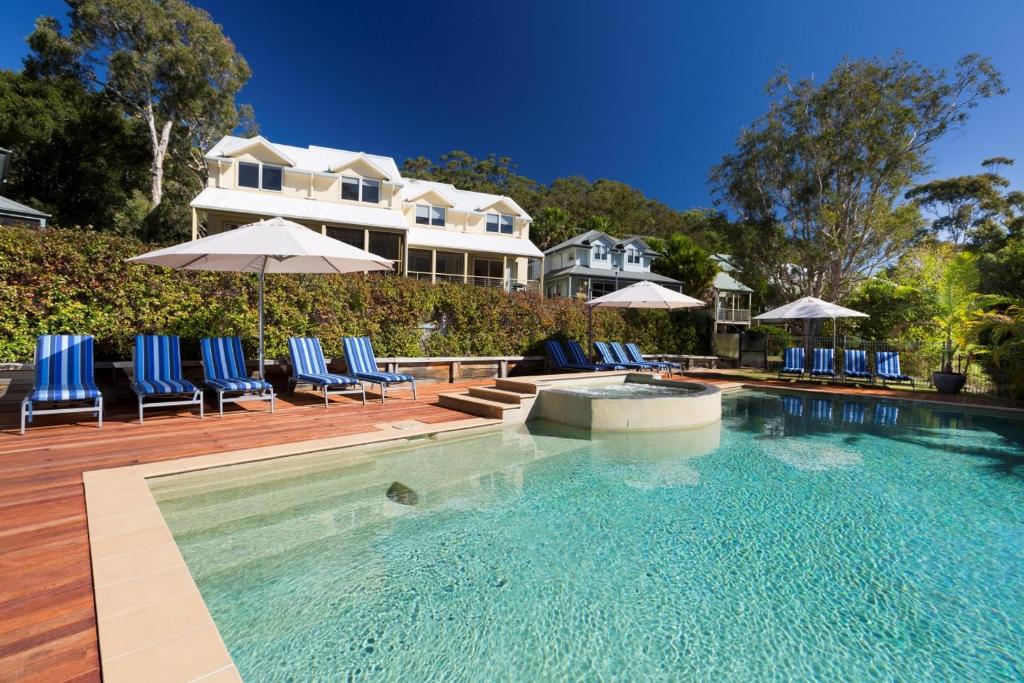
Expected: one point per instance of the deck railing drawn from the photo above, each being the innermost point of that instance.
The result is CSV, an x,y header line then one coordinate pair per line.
x,y
532,286
733,315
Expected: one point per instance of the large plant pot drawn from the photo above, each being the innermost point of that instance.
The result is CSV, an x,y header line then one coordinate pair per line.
x,y
948,382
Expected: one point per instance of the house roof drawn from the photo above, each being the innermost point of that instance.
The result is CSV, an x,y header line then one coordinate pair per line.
x,y
726,282
462,200
624,275
463,241
314,159
583,238
9,207
265,204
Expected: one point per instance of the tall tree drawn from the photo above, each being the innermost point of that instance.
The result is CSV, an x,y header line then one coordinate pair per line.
x,y
822,173
164,62
681,259
971,206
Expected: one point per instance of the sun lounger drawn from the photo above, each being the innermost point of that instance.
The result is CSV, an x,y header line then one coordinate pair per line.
x,y
156,363
793,362
63,374
224,372
633,354
855,365
561,362
310,367
362,364
823,364
577,357
887,367
620,356
608,358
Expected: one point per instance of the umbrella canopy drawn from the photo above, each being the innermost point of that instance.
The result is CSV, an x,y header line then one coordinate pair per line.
x,y
646,295
275,245
810,307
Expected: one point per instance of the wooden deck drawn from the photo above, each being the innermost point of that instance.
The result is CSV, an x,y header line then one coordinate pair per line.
x,y
47,615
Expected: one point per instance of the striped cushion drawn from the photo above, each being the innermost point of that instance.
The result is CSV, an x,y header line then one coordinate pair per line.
x,y
327,379
633,354
823,360
887,365
579,359
164,386
74,392
307,356
238,384
604,352
387,377
363,364
794,360
157,361
64,368
223,358
855,363
619,356
557,353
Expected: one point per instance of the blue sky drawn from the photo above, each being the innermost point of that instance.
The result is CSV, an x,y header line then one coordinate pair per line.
x,y
648,93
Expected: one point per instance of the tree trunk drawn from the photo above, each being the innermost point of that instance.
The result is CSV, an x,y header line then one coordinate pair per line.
x,y
158,143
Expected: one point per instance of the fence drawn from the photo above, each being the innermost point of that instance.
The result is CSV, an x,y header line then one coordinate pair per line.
x,y
919,359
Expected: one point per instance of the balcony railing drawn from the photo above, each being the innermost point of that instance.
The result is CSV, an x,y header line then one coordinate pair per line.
x,y
733,315
481,281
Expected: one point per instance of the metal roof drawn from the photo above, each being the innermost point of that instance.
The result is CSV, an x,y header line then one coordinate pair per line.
x,y
265,204
10,207
624,275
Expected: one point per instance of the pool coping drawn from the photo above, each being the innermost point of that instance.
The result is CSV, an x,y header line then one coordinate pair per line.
x,y
153,624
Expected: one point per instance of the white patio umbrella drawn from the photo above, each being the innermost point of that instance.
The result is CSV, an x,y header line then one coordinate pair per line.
x,y
275,245
811,307
642,294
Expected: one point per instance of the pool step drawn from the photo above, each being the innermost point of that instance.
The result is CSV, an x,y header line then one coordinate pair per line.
x,y
516,386
499,395
474,405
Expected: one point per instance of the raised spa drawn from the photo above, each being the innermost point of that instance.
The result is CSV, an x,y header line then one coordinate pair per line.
x,y
635,402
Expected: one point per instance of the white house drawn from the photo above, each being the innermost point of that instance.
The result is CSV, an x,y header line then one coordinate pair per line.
x,y
732,298
594,263
434,231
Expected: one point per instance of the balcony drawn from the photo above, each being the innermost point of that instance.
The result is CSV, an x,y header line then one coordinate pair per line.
x,y
532,286
733,315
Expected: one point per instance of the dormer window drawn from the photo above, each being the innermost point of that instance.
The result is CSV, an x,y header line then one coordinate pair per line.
x,y
427,214
500,222
600,252
260,176
632,256
360,190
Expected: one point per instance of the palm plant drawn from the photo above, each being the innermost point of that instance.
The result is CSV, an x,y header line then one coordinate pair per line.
x,y
1000,331
954,293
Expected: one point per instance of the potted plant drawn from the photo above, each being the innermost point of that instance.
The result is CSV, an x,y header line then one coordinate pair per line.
x,y
954,293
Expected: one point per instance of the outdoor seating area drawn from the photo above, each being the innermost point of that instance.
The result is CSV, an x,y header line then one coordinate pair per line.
x,y
855,368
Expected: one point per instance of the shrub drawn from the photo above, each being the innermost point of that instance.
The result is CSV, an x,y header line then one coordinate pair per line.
x,y
69,281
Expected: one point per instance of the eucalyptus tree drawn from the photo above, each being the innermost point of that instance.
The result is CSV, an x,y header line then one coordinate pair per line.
x,y
817,182
164,62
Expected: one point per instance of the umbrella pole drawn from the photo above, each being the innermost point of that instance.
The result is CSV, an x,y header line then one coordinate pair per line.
x,y
590,331
261,320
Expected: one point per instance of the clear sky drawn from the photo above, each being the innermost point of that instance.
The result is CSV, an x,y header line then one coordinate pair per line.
x,y
648,93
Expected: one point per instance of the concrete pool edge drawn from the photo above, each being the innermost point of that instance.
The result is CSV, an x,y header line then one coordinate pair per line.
x,y
151,619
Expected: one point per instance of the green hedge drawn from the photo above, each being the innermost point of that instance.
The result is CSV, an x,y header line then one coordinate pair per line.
x,y
71,281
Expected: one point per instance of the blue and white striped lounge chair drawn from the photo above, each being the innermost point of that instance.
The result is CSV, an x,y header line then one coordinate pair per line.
x,y
823,364
793,362
886,414
619,356
362,364
793,405
224,372
855,365
561,362
64,374
854,412
310,367
887,366
821,409
608,358
577,357
156,360
633,354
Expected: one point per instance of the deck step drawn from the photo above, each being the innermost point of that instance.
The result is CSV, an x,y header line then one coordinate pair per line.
x,y
499,395
516,386
475,405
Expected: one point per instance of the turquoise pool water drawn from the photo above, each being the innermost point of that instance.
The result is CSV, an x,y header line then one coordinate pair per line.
x,y
803,539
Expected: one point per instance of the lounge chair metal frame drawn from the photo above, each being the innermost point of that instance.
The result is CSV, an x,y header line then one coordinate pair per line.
x,y
195,396
298,377
356,359
264,393
28,410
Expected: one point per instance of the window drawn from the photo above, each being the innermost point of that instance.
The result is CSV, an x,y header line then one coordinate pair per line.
x,y
600,288
248,175
500,223
371,191
449,263
632,256
487,268
352,187
600,252
388,245
430,215
271,179
349,236
259,176
419,261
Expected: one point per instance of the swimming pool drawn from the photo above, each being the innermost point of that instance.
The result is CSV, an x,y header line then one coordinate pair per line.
x,y
802,538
